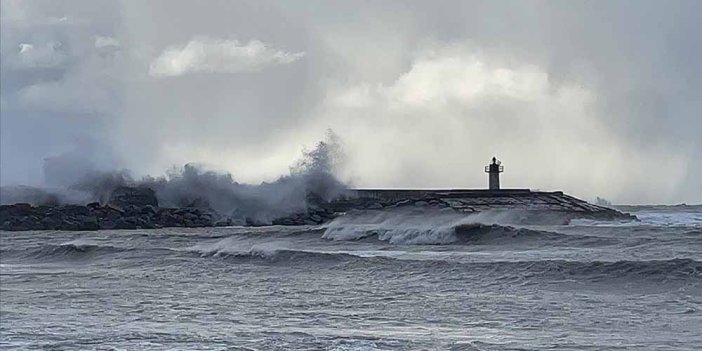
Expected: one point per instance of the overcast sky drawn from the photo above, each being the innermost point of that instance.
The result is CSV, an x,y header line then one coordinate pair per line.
x,y
596,98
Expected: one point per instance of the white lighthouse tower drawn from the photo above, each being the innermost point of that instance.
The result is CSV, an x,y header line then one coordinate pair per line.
x,y
493,170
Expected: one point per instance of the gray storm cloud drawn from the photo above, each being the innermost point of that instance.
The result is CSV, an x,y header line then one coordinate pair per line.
x,y
594,98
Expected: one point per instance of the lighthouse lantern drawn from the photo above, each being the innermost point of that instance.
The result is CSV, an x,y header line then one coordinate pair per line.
x,y
494,169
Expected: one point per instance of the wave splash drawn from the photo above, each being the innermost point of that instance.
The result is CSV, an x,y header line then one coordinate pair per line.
x,y
275,251
310,179
439,227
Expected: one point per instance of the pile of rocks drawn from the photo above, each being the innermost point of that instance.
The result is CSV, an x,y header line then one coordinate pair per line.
x,y
137,208
124,196
313,215
95,216
127,208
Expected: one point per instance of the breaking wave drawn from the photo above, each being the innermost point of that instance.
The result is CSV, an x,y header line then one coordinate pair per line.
x,y
426,227
278,255
310,180
234,248
656,270
651,217
273,252
75,249
238,250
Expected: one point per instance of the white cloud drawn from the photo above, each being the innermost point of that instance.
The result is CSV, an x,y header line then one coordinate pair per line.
x,y
40,56
218,56
564,109
453,110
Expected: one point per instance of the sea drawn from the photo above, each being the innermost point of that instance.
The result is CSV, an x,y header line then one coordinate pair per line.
x,y
374,280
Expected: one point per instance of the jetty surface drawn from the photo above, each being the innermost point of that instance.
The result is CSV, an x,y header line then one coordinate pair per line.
x,y
138,208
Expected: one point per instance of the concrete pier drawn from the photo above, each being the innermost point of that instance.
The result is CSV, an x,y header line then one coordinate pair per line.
x,y
529,203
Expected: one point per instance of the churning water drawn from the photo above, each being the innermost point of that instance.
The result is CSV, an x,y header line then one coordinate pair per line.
x,y
375,281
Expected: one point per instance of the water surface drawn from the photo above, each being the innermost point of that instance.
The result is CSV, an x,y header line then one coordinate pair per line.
x,y
377,282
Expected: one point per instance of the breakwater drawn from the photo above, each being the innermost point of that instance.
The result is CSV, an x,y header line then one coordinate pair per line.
x,y
138,208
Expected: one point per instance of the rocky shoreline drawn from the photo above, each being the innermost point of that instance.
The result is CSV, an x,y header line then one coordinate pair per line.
x,y
95,216
137,208
132,208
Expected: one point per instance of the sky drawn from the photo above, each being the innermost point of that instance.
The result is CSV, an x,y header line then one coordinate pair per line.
x,y
595,98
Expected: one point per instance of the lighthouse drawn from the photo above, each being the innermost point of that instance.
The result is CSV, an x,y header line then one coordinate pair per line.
x,y
493,170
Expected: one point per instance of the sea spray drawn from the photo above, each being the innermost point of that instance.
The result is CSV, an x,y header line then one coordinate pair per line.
x,y
311,177
422,226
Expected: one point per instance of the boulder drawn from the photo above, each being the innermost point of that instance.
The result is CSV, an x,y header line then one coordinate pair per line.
x,y
148,210
139,197
93,206
74,210
168,218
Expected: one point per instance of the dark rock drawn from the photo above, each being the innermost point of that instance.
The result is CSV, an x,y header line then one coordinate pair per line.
x,y
136,196
132,208
167,218
126,223
50,223
80,222
144,222
74,210
148,210
21,209
316,219
225,222
252,222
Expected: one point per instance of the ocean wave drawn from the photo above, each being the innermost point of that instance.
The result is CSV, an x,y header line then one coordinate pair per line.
x,y
649,218
235,248
74,249
79,249
494,234
656,270
563,270
277,255
651,269
440,228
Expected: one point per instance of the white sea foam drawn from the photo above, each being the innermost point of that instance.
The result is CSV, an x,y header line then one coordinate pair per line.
x,y
671,218
80,242
238,246
407,226
665,219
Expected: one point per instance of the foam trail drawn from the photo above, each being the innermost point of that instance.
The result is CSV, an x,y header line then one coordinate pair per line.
x,y
652,218
408,226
